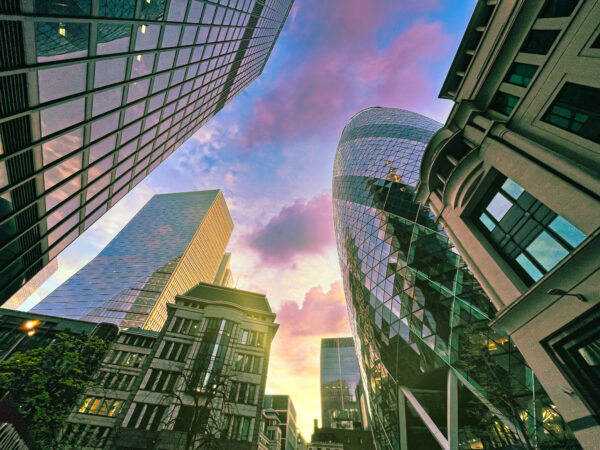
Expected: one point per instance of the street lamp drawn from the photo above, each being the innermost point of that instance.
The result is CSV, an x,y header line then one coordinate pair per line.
x,y
29,328
566,294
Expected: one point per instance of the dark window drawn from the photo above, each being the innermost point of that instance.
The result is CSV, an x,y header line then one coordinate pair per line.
x,y
539,41
504,103
520,74
577,109
530,236
596,43
576,351
558,8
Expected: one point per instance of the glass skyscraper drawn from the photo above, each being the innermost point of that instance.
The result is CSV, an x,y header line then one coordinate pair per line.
x,y
340,378
173,243
94,95
436,375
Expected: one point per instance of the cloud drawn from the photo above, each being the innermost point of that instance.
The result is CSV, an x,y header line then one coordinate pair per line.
x,y
299,229
344,70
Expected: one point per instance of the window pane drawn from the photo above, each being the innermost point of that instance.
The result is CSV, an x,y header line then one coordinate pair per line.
x,y
567,231
487,221
153,10
107,101
55,41
171,36
64,192
147,37
142,65
520,74
63,212
558,8
504,103
113,38
61,82
117,8
165,60
529,267
546,250
137,90
134,112
62,116
104,126
62,145
110,71
499,206
102,148
539,41
512,188
577,109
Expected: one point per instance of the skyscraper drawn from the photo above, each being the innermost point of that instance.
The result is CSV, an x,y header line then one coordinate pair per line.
x,y
514,177
94,95
174,242
419,318
340,377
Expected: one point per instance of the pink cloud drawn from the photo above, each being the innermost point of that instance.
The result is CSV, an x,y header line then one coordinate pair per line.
x,y
301,228
321,314
344,72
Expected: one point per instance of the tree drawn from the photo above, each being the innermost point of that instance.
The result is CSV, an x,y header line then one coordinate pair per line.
x,y
45,382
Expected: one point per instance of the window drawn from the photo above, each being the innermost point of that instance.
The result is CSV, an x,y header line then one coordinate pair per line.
x,y
248,363
174,351
575,349
525,231
558,8
576,109
504,103
539,41
146,416
520,74
99,406
58,82
161,380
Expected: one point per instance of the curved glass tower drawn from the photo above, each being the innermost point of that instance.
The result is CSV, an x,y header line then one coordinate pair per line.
x,y
413,303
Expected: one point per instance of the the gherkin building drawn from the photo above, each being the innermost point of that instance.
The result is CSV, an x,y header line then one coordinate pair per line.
x,y
435,374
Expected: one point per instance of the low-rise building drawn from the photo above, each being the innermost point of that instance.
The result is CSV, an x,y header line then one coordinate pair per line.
x,y
284,407
201,378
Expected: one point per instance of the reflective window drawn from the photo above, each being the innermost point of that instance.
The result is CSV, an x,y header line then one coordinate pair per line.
x,y
113,38
153,10
131,131
110,71
189,35
62,145
3,179
156,101
117,8
97,186
62,193
142,65
521,74
63,212
504,103
147,37
62,116
137,90
195,12
100,168
62,171
177,10
107,100
104,126
59,232
171,36
55,41
134,112
576,109
539,41
102,148
165,60
525,230
184,56
127,150
58,82
160,82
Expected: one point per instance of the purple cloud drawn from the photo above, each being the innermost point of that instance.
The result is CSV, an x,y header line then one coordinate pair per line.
x,y
299,229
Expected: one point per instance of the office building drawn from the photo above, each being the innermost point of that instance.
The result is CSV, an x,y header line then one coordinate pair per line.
x,y
205,370
172,243
27,290
340,378
284,407
94,95
513,176
327,438
420,320
269,437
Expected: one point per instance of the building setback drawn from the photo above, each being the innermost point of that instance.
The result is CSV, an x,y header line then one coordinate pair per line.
x,y
419,318
94,95
211,356
284,407
172,243
514,177
340,380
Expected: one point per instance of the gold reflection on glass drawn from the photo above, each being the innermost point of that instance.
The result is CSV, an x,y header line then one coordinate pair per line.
x,y
61,29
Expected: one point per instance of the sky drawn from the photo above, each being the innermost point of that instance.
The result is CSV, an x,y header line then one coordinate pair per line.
x,y
271,152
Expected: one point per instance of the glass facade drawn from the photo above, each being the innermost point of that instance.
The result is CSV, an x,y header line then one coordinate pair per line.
x,y
94,95
340,377
416,310
174,242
